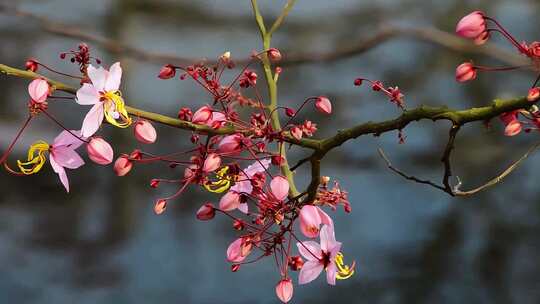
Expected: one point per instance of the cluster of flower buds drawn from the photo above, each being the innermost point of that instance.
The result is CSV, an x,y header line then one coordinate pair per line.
x,y
478,27
394,93
241,167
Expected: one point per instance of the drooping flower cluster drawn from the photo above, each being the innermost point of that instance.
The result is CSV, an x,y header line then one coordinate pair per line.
x,y
478,27
240,167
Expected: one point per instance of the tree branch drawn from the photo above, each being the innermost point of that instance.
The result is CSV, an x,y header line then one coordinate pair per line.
x,y
363,44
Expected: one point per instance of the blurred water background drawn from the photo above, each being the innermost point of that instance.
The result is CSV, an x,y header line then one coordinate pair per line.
x,y
413,244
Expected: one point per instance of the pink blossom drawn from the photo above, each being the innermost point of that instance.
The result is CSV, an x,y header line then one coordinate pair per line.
x,y
104,85
472,26
160,206
323,105
63,155
145,132
465,72
243,185
311,218
319,257
284,290
38,90
100,151
280,187
296,132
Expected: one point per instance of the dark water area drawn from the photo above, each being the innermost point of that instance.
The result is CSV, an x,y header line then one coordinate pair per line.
x,y
413,244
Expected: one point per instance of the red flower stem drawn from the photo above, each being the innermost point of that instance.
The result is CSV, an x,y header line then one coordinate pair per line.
x,y
62,126
8,151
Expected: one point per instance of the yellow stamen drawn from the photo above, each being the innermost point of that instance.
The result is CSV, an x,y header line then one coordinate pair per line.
x,y
344,271
222,184
36,158
114,104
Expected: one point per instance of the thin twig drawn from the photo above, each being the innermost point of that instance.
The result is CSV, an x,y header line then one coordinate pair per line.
x,y
499,177
406,176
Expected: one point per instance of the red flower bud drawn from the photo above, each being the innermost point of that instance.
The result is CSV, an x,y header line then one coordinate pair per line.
x,y
534,94
465,72
167,71
154,183
122,165
473,26
358,82
160,206
206,212
290,112
274,54
238,225
235,267
202,115
31,65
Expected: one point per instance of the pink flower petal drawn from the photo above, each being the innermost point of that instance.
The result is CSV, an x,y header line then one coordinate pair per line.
x,y
310,271
310,250
331,274
113,80
98,77
328,238
87,95
61,172
310,220
93,120
243,208
67,157
280,187
67,139
230,201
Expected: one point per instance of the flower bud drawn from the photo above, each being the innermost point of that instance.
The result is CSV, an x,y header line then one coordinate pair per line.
x,y
160,206
206,212
167,71
122,165
284,290
296,132
290,112
100,151
472,26
279,187
230,201
277,160
296,263
154,183
238,251
235,267
202,115
211,163
38,90
274,54
230,143
31,65
136,154
145,132
238,225
534,94
513,128
323,105
358,82
465,72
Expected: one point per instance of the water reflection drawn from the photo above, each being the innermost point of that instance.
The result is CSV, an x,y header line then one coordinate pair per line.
x,y
102,244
